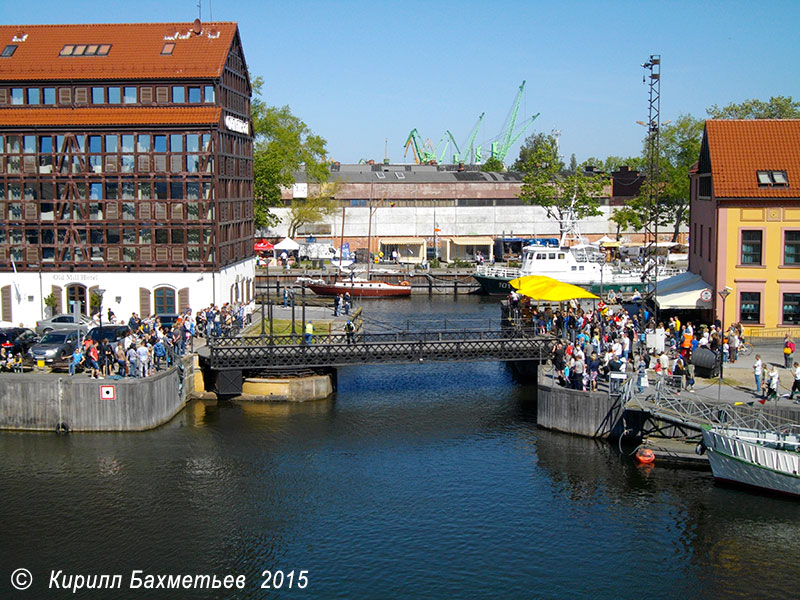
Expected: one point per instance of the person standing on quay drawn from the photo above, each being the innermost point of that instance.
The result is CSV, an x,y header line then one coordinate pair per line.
x,y
350,330
309,333
796,384
758,370
788,351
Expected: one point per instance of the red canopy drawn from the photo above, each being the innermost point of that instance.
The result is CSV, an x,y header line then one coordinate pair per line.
x,y
262,246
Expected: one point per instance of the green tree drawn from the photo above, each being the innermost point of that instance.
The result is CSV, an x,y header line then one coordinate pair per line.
x,y
315,208
283,143
573,164
562,195
626,217
531,145
778,107
493,165
679,146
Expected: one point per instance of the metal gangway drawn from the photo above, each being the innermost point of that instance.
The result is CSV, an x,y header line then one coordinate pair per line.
x,y
666,405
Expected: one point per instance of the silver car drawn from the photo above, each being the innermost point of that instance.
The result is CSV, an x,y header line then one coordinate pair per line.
x,y
79,322
56,347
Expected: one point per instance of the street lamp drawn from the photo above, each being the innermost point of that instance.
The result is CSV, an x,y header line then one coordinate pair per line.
x,y
724,293
100,292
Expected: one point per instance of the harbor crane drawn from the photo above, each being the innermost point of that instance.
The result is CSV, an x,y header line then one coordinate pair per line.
x,y
507,137
422,152
471,153
447,138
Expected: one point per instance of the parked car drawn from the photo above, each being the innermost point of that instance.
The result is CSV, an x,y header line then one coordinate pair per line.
x,y
17,339
112,333
168,319
56,347
79,322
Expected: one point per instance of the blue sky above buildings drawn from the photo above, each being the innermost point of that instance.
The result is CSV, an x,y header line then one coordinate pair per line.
x,y
358,73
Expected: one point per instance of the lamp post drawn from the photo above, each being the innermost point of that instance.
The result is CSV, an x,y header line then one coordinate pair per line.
x,y
724,293
100,292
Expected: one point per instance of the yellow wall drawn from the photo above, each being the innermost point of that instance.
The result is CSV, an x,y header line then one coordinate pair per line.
x,y
772,278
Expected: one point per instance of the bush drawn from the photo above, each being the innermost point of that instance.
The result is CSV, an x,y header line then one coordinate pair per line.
x,y
435,263
460,264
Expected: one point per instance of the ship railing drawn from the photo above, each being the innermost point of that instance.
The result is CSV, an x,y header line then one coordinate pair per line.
x,y
495,271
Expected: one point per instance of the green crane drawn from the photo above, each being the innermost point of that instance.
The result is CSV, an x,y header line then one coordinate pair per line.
x,y
422,154
447,138
472,154
507,138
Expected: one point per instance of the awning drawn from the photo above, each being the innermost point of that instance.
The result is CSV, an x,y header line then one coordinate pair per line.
x,y
402,241
287,244
683,292
610,244
471,241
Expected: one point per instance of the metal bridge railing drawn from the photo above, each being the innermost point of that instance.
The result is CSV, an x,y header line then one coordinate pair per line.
x,y
669,406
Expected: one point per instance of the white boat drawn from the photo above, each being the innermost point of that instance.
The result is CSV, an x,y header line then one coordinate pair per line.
x,y
765,460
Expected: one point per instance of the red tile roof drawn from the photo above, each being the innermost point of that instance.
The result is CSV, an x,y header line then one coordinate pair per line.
x,y
740,148
135,51
158,115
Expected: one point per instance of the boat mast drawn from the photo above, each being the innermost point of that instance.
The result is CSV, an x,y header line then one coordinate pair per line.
x,y
369,229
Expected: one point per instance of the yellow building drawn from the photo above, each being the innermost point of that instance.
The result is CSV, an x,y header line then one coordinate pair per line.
x,y
745,221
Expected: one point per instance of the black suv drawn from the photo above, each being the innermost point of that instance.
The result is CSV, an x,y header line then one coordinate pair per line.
x,y
17,339
112,333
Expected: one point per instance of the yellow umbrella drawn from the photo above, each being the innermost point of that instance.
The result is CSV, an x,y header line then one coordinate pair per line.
x,y
531,280
540,287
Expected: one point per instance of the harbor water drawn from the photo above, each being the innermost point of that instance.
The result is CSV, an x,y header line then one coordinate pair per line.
x,y
413,481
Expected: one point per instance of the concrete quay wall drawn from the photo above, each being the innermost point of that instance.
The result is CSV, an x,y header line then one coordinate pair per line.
x,y
34,402
589,414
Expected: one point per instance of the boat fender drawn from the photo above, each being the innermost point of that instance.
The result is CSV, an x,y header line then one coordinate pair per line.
x,y
700,449
62,428
404,282
645,456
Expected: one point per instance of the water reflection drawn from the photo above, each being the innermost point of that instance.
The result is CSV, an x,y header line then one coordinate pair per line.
x,y
427,481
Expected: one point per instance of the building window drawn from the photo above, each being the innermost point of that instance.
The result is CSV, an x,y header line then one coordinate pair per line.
x,y
8,51
17,96
791,248
114,95
751,247
178,94
98,95
750,307
49,95
772,179
208,93
791,309
168,48
76,296
194,95
33,95
164,300
129,95
104,49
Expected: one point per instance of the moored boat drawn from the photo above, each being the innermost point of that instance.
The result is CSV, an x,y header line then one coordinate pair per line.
x,y
766,460
361,288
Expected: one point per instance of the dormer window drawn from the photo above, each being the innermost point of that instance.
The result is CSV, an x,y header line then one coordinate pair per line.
x,y
772,179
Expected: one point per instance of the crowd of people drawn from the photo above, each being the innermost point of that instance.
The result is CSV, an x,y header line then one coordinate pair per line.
x,y
609,344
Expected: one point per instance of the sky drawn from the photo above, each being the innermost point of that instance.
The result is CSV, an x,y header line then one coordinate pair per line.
x,y
361,73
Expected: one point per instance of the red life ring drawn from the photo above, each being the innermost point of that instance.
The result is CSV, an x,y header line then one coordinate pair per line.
x,y
404,283
645,456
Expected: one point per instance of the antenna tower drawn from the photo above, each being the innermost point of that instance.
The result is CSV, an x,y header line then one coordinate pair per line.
x,y
650,275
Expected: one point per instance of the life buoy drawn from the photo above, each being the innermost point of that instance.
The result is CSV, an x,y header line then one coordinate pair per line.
x,y
645,456
404,283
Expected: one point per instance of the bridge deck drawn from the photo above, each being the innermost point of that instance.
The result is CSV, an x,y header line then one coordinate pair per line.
x,y
239,353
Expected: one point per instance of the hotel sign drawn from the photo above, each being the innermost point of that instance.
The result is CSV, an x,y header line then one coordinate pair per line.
x,y
237,125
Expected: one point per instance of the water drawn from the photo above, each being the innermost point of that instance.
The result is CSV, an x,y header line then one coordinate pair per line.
x,y
416,481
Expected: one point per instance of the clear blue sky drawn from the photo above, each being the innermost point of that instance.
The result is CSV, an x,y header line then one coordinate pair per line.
x,y
360,72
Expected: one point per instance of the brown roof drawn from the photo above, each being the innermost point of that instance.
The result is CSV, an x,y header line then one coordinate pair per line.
x,y
135,51
740,148
160,115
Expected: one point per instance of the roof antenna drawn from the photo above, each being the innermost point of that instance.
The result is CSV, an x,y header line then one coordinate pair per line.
x,y
210,16
200,9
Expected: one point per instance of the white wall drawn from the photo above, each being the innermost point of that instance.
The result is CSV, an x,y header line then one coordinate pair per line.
x,y
453,221
122,289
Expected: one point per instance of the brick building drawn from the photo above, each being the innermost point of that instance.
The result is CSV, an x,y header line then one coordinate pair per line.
x,y
126,158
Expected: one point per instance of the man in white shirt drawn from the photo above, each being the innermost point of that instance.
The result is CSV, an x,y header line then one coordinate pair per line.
x,y
758,370
796,384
